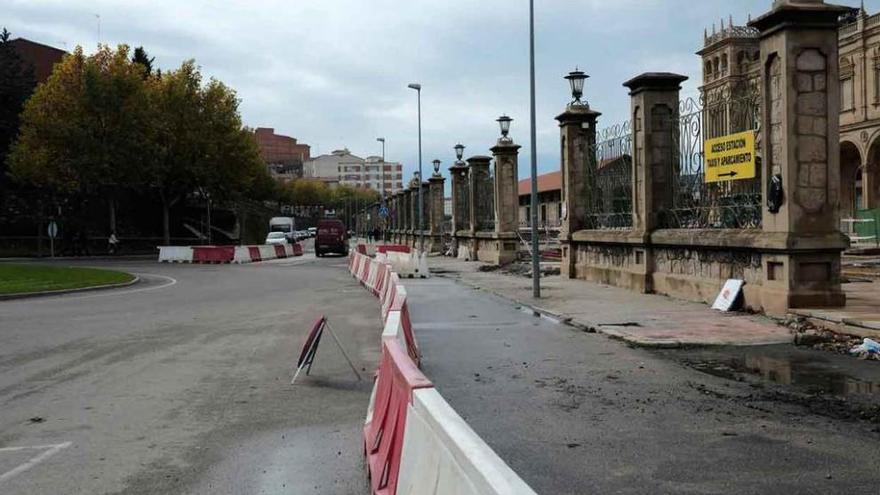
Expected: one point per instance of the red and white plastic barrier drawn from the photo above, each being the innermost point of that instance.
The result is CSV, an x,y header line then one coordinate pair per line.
x,y
415,443
227,254
175,254
442,455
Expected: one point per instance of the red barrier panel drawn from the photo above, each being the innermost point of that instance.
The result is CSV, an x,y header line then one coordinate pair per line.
x,y
412,346
254,252
381,277
399,248
213,254
280,252
365,270
362,248
383,435
297,249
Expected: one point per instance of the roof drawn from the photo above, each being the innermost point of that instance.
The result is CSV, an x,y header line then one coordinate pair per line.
x,y
546,182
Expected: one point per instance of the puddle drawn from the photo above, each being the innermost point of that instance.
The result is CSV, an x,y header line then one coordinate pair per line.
x,y
538,314
814,375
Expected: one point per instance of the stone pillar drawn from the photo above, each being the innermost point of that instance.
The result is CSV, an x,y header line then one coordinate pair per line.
x,y
478,179
506,187
801,164
655,100
460,209
437,215
577,126
426,208
578,138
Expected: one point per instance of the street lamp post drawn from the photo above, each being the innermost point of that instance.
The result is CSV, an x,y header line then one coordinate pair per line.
x,y
382,187
418,88
536,265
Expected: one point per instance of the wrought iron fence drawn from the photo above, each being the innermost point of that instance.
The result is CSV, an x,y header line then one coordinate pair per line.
x,y
696,204
610,179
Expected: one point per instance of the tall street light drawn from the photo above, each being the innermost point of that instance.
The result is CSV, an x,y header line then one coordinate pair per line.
x,y
382,188
418,88
536,264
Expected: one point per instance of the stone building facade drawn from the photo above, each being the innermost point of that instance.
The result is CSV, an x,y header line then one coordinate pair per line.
x,y
731,68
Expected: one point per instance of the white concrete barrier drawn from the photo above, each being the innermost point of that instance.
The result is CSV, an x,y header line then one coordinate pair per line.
x,y
442,455
175,254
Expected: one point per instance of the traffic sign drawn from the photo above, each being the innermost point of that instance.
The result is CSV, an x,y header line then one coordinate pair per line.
x,y
383,212
730,157
53,230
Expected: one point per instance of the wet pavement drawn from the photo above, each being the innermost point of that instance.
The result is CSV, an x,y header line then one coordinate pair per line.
x,y
576,412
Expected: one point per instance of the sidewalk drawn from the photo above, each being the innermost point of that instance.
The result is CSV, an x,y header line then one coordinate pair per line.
x,y
861,316
641,319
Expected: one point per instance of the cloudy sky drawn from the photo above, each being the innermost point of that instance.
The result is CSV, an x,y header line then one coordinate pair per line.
x,y
333,73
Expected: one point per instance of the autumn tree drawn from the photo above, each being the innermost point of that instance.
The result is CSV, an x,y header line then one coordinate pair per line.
x,y
16,85
86,130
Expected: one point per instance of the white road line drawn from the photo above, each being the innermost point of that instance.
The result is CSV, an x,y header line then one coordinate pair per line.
x,y
51,450
110,292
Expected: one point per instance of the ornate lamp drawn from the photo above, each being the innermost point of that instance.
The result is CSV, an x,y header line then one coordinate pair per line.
x,y
504,122
576,79
436,168
459,153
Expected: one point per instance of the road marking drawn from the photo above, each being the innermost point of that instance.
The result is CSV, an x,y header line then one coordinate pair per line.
x,y
50,451
170,281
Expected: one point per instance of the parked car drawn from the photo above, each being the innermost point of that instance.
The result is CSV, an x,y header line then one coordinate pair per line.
x,y
331,237
277,238
313,231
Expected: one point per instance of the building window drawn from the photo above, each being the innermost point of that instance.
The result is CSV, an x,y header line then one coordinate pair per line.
x,y
847,95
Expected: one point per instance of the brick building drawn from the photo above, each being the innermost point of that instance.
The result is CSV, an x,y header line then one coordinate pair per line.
x,y
549,200
41,58
282,154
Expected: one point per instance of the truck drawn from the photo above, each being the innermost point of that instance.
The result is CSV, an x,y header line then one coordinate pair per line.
x,y
284,224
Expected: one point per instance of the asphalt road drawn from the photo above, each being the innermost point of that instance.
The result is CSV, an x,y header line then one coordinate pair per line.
x,y
180,384
577,413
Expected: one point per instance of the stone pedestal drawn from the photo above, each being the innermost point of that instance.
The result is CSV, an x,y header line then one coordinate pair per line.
x,y
577,127
436,216
506,193
799,60
460,202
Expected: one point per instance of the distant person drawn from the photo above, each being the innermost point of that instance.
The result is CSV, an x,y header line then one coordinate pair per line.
x,y
112,243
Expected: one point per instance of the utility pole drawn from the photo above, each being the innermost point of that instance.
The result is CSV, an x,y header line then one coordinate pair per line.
x,y
536,255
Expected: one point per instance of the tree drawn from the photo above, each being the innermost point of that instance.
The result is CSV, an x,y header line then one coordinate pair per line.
x,y
16,85
140,57
200,143
84,131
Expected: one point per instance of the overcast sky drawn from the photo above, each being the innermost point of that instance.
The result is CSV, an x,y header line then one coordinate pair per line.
x,y
333,73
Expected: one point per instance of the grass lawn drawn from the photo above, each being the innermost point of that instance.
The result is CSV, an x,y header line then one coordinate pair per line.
x,y
17,279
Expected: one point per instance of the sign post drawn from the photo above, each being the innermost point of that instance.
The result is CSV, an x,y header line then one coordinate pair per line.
x,y
52,230
730,157
310,348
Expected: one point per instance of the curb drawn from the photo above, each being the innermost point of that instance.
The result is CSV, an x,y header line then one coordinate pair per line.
x,y
610,331
29,295
843,326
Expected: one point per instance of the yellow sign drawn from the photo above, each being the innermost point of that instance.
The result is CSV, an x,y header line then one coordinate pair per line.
x,y
730,157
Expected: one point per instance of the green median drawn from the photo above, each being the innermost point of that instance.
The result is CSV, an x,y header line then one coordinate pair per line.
x,y
27,278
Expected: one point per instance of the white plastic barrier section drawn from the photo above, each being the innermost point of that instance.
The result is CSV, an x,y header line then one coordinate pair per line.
x,y
394,329
267,253
422,268
402,263
175,254
242,255
442,455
